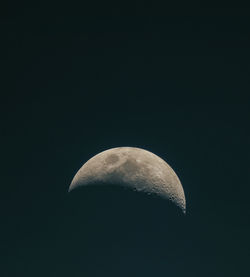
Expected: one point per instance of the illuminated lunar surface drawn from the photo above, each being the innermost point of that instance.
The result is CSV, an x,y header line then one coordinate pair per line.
x,y
134,168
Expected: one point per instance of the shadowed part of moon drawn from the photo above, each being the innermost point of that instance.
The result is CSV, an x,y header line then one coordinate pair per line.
x,y
134,168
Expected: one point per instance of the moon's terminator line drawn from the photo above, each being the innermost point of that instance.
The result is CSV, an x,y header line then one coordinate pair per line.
x,y
132,167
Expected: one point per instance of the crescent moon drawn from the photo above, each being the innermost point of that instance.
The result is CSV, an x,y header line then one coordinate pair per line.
x,y
135,168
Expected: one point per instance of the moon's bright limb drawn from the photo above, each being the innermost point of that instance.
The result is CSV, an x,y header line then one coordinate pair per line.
x,y
132,167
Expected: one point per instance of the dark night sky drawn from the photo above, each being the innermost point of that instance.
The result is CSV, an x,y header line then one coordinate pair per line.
x,y
77,80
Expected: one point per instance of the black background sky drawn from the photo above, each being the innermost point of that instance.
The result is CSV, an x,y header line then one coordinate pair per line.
x,y
79,79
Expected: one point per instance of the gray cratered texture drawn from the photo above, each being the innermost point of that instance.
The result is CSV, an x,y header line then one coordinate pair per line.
x,y
132,167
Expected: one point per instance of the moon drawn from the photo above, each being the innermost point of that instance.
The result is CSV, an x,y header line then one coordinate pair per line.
x,y
134,168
